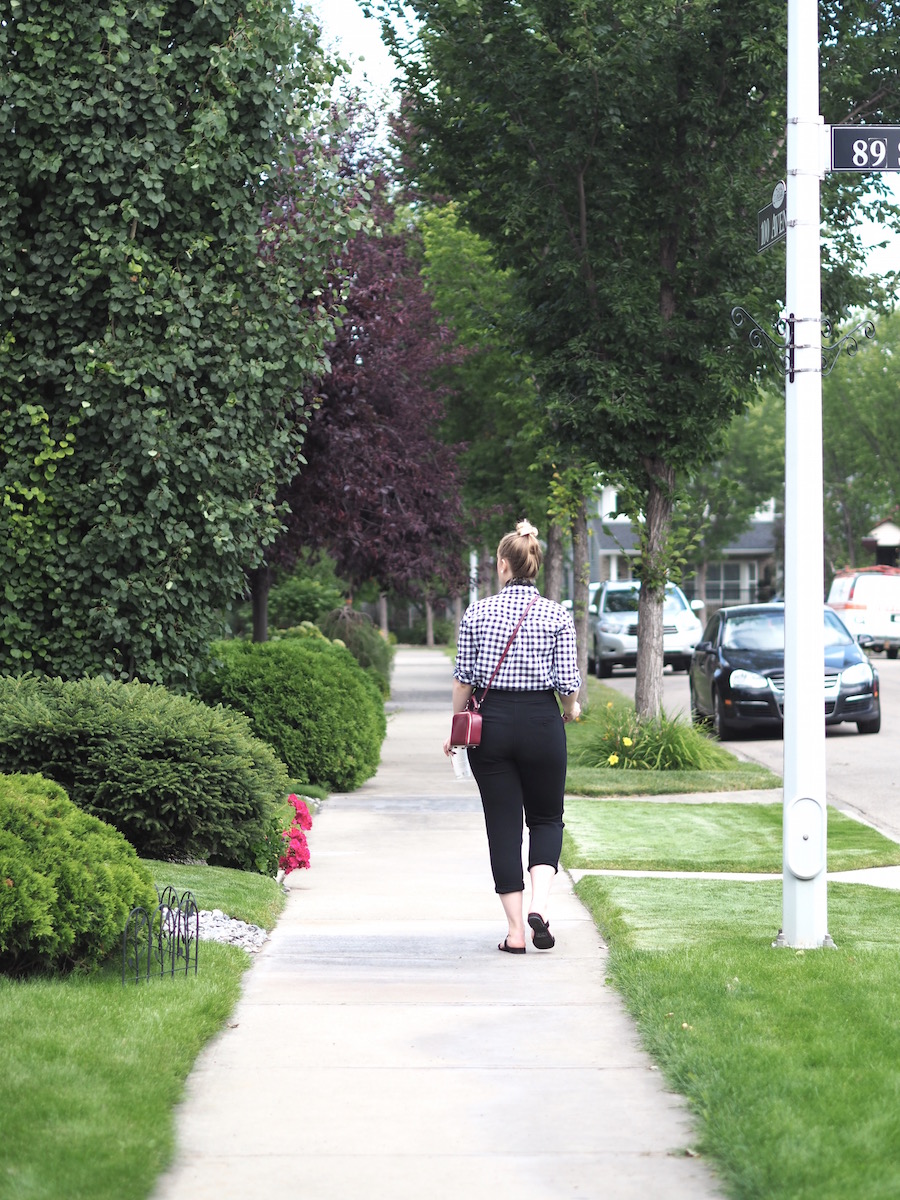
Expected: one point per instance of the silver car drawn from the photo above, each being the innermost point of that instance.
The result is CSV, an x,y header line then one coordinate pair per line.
x,y
614,641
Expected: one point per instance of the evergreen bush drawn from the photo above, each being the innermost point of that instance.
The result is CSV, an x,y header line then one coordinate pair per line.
x,y
67,880
177,778
359,634
310,699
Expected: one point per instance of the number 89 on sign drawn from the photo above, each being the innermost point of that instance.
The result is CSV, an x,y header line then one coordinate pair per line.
x,y
865,147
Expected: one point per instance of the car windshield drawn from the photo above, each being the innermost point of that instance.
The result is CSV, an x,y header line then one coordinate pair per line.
x,y
765,631
835,633
626,600
754,631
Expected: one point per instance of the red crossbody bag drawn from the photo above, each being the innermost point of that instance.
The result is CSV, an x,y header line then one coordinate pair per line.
x,y
465,729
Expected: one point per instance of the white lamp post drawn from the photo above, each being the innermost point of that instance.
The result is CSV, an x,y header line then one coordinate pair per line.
x,y
805,911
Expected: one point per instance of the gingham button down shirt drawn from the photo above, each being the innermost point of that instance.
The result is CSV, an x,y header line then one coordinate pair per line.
x,y
542,656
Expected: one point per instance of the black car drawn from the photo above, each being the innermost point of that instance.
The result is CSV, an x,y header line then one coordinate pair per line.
x,y
737,672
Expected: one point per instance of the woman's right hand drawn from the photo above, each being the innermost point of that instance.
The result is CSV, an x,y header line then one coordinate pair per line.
x,y
572,712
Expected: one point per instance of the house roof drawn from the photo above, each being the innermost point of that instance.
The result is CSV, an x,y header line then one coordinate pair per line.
x,y
755,542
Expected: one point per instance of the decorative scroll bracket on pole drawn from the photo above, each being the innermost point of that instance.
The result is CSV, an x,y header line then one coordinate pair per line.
x,y
785,350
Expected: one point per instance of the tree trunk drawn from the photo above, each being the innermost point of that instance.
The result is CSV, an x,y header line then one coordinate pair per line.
x,y
700,582
582,568
429,623
648,688
487,573
260,582
383,615
553,563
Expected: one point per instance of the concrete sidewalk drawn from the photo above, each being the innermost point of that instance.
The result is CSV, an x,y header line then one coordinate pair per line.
x,y
383,1047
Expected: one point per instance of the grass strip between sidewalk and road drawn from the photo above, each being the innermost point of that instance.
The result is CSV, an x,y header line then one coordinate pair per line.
x,y
624,835
789,1059
92,1069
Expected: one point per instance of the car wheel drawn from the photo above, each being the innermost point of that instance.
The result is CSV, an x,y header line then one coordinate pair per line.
x,y
891,651
721,727
681,664
869,726
604,668
697,716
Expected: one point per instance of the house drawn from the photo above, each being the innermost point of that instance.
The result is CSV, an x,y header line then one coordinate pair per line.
x,y
884,542
743,573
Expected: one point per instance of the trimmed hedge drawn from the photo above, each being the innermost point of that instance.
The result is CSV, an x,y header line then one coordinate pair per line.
x,y
67,880
177,778
310,699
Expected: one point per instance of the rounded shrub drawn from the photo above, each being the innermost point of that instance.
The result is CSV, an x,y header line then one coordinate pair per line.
x,y
179,779
364,641
67,880
310,699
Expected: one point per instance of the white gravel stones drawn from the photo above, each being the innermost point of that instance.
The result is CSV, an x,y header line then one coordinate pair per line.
x,y
215,926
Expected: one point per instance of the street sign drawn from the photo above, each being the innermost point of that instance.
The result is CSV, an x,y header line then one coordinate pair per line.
x,y
865,147
771,223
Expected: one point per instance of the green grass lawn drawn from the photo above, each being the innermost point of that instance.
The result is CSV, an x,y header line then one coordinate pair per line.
x,y
91,1070
643,835
611,781
790,1059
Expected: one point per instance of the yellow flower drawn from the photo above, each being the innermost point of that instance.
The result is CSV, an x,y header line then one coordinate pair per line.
x,y
609,704
613,759
627,742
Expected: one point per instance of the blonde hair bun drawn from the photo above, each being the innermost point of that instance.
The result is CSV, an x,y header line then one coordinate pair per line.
x,y
524,528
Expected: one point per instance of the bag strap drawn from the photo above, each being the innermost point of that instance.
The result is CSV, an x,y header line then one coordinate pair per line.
x,y
476,704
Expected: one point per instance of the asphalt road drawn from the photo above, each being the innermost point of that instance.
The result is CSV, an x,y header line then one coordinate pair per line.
x,y
862,771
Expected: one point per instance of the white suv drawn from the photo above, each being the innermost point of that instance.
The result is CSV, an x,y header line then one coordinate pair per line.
x,y
868,602
614,641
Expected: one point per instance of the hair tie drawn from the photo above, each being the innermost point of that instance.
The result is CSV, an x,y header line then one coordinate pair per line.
x,y
524,528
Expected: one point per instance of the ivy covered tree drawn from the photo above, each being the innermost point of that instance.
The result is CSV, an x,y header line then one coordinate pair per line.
x,y
615,154
152,349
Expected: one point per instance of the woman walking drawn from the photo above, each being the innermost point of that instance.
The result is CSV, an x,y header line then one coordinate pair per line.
x,y
520,765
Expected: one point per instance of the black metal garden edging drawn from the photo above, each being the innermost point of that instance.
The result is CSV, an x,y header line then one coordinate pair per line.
x,y
163,941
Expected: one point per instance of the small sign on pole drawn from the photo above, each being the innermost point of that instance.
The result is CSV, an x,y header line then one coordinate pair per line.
x,y
865,147
771,221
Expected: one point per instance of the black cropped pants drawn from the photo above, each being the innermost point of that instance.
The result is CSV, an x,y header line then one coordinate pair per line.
x,y
520,768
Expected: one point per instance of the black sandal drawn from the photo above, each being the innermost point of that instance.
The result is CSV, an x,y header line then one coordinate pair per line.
x,y
543,938
510,949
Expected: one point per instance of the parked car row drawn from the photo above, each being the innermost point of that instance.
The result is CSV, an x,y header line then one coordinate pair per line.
x,y
736,664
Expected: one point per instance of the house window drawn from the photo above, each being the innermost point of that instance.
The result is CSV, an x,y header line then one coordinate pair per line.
x,y
731,582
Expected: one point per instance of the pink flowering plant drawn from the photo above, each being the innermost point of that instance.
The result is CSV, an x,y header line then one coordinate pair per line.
x,y
296,851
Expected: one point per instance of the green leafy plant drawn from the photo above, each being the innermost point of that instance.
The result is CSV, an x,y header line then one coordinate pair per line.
x,y
310,699
660,744
168,243
67,880
357,632
179,779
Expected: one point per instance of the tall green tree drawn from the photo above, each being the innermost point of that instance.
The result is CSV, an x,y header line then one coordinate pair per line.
x,y
861,436
721,498
153,347
492,407
615,153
